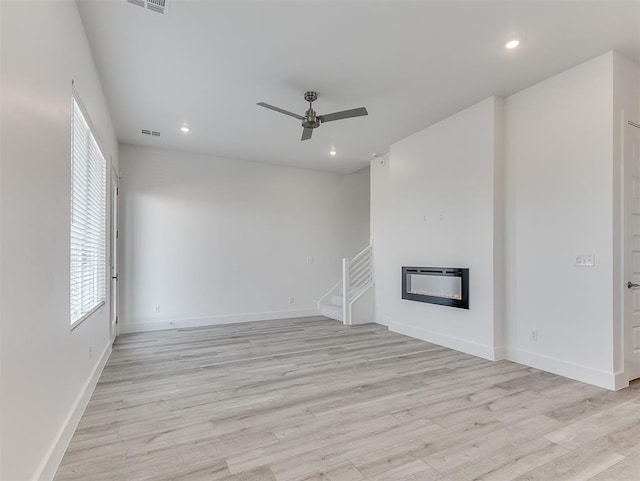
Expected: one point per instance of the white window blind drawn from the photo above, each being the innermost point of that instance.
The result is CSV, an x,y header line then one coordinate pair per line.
x,y
88,220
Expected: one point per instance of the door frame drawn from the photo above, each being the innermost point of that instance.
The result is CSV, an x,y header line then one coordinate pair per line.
x,y
113,255
627,258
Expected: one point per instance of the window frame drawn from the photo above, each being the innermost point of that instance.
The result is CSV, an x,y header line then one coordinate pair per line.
x,y
92,152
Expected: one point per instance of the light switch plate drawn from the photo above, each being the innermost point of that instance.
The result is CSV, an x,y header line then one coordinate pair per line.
x,y
585,260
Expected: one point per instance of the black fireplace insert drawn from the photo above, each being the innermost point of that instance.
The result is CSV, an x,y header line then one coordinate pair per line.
x,y
447,286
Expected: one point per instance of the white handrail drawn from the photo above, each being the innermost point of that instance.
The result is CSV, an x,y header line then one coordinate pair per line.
x,y
365,271
362,253
357,278
358,268
346,288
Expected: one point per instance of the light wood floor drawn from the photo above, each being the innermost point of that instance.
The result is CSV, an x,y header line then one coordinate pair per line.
x,y
313,400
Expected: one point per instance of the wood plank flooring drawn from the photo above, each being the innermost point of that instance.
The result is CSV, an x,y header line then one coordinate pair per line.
x,y
310,400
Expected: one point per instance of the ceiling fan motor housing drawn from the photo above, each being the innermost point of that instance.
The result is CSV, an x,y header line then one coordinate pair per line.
x,y
310,121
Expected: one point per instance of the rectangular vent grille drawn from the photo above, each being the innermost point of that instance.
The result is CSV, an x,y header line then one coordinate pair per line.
x,y
159,6
153,133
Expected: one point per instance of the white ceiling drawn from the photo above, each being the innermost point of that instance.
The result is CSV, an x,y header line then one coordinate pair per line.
x,y
207,63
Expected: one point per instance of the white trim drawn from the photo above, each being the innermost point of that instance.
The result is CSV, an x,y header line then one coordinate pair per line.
x,y
597,377
86,316
330,292
112,268
481,350
625,270
621,380
127,327
346,287
500,353
52,460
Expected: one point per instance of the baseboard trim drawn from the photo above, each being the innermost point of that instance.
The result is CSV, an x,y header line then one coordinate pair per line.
x,y
50,465
621,380
128,327
597,377
462,345
500,353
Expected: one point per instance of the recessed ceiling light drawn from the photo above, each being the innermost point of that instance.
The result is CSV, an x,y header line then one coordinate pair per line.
x,y
332,152
185,129
512,44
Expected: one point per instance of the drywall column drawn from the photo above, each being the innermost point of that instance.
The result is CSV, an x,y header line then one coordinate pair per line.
x,y
560,190
437,201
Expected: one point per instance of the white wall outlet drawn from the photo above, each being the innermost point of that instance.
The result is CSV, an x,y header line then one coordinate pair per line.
x,y
585,260
156,309
291,300
534,334
310,259
442,216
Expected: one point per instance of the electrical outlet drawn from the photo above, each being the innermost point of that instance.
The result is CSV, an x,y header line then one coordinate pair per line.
x,y
291,300
310,259
534,335
157,309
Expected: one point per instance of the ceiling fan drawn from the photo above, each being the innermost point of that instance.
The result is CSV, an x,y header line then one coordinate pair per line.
x,y
310,120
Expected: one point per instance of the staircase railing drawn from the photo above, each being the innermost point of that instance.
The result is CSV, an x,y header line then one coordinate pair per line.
x,y
357,278
335,290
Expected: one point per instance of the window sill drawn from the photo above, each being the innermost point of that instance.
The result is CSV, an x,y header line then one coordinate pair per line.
x,y
86,316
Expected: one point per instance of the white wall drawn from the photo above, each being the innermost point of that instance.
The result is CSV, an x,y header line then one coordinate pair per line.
x,y
212,240
435,202
560,201
517,219
45,366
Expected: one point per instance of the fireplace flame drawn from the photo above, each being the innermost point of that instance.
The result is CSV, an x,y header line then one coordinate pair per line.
x,y
448,295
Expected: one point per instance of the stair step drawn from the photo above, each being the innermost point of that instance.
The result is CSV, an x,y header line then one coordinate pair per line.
x,y
332,311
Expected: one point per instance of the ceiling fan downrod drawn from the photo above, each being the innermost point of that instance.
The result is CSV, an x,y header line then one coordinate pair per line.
x,y
310,120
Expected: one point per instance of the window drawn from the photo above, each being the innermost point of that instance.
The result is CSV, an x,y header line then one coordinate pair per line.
x,y
88,220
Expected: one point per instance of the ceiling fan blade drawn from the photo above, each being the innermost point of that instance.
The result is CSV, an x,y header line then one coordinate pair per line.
x,y
306,133
286,112
345,114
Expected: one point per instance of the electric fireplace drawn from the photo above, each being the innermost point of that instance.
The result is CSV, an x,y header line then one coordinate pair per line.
x,y
447,286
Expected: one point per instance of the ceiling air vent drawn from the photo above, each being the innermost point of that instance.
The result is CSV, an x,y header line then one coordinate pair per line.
x,y
159,6
153,133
